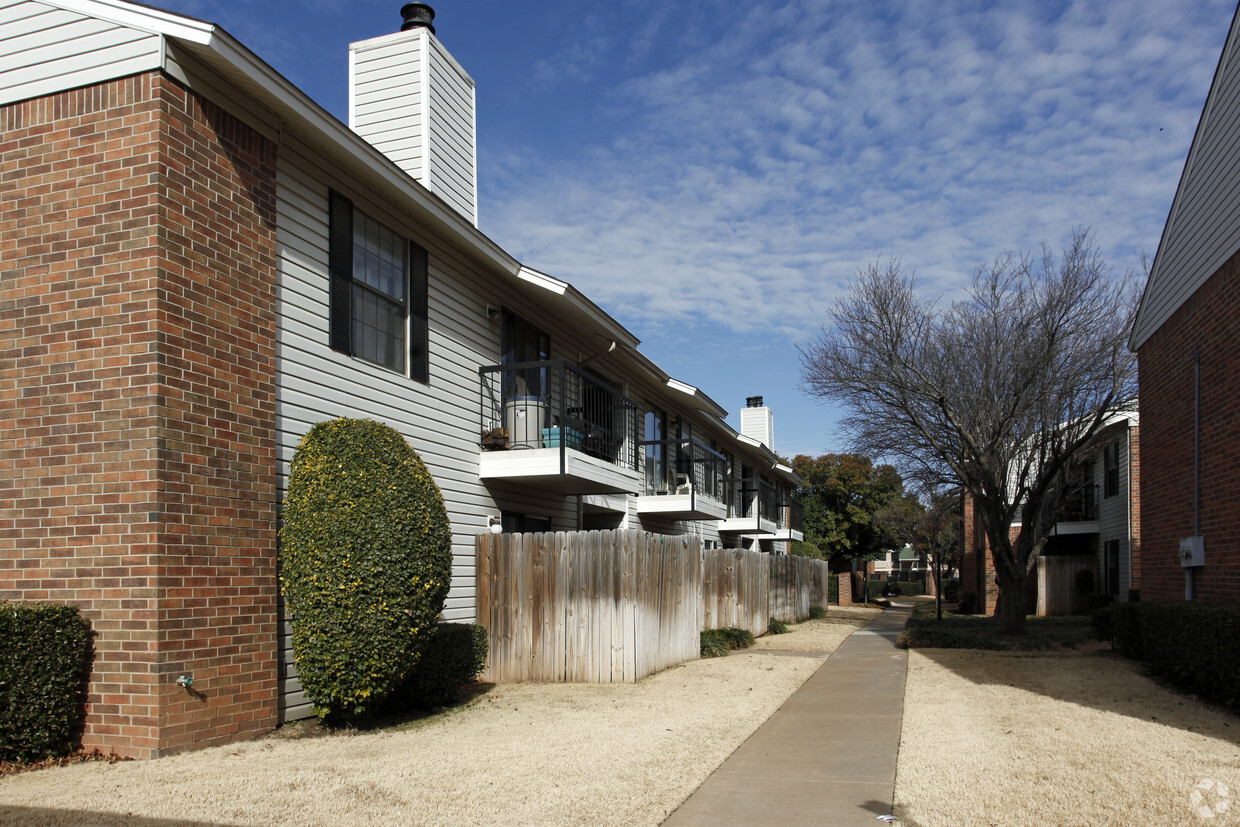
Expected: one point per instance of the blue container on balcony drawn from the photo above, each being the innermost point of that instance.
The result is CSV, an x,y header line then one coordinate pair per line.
x,y
572,438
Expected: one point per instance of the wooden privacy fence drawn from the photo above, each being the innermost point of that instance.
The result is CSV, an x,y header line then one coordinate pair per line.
x,y
613,606
736,590
588,606
797,583
1057,594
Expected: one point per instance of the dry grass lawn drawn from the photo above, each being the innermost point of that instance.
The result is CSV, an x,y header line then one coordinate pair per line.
x,y
1076,738
519,754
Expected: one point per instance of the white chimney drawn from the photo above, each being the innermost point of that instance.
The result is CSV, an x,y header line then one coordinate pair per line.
x,y
410,99
757,422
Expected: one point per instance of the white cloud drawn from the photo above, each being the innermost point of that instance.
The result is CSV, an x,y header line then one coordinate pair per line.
x,y
754,173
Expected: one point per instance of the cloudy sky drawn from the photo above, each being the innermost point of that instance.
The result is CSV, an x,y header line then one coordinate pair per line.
x,y
713,173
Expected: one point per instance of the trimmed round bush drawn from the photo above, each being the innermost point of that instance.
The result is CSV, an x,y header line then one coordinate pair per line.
x,y
366,556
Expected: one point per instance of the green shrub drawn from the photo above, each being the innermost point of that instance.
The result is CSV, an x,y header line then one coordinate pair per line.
x,y
736,638
1096,601
776,627
833,588
1100,620
1125,623
1134,595
366,559
717,642
453,657
892,588
968,603
817,612
951,591
712,644
44,662
1191,644
956,632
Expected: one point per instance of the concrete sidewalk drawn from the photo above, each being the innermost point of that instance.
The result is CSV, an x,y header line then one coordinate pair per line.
x,y
828,755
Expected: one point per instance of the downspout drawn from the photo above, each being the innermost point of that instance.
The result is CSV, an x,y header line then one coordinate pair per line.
x,y
1128,494
1188,571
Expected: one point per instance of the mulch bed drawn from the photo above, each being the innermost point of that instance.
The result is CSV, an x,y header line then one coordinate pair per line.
x,y
79,757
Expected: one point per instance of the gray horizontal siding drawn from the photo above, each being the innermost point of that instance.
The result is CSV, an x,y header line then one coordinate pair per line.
x,y
44,50
1203,230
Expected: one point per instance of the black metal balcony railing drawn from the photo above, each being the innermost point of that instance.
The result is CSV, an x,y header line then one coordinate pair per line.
x,y
555,404
758,498
1080,505
769,503
683,465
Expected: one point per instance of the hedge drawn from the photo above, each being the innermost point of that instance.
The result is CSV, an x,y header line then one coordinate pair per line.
x,y
453,657
874,588
365,553
1191,644
44,662
833,588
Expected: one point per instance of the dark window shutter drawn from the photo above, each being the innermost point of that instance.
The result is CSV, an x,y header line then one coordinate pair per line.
x,y
340,265
419,314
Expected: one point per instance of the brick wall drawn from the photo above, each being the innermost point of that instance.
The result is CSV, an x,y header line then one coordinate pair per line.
x,y
1208,322
137,450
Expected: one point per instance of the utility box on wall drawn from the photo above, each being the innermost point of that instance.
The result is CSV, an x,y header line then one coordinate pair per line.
x,y
1192,551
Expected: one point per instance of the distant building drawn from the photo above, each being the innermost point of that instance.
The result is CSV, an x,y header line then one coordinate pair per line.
x,y
1099,528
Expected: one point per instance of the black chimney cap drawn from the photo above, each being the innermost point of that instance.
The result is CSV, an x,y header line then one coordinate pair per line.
x,y
753,401
417,15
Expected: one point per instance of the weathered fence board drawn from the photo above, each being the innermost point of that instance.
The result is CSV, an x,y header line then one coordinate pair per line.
x,y
610,606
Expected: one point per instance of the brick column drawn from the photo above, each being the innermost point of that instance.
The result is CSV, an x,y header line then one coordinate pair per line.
x,y
137,405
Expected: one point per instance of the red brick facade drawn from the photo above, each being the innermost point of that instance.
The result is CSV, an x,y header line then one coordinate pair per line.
x,y
977,565
137,399
1209,324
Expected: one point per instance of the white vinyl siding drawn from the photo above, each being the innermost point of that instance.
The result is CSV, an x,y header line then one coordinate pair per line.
x,y
415,104
451,133
1113,516
387,100
45,50
1203,229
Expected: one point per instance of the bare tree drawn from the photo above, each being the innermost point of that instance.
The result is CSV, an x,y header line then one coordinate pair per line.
x,y
995,393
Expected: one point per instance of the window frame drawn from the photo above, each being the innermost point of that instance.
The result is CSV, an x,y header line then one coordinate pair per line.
x,y
1110,469
415,306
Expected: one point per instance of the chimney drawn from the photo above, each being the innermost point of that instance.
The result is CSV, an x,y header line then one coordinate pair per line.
x,y
757,422
396,82
417,14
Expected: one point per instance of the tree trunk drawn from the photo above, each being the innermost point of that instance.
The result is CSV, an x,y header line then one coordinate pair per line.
x,y
1011,604
937,574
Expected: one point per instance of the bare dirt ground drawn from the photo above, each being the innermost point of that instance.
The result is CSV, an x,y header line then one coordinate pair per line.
x,y
1065,738
517,754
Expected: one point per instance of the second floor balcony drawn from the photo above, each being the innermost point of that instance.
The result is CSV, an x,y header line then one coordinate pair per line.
x,y
552,425
1079,514
791,522
684,480
755,509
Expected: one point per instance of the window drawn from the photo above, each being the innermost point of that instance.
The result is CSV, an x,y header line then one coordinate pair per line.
x,y
515,522
379,301
1110,467
656,474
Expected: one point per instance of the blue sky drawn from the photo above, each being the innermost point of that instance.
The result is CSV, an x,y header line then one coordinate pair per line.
x,y
714,173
